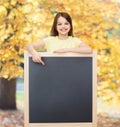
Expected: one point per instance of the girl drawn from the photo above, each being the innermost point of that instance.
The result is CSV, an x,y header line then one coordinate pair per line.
x,y
61,39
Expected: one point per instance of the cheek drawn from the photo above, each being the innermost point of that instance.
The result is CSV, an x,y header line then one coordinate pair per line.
x,y
69,27
57,27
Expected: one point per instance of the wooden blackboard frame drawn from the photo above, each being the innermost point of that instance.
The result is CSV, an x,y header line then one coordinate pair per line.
x,y
94,89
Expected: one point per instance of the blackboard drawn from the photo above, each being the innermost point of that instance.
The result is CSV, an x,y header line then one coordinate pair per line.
x,y
61,91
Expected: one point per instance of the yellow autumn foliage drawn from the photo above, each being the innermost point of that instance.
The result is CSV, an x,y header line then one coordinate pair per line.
x,y
96,22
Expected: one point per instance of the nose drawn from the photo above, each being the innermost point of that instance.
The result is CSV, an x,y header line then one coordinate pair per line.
x,y
63,26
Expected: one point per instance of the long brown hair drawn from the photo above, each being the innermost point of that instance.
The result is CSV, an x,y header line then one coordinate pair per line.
x,y
67,17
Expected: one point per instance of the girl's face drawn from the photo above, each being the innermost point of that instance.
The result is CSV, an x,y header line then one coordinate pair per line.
x,y
63,26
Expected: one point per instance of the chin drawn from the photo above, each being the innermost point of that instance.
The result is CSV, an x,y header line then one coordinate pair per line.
x,y
63,33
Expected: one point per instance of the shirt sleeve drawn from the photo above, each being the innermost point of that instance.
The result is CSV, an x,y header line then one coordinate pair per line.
x,y
78,42
47,42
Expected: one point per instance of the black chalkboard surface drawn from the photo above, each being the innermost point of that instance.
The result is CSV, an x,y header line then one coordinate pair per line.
x,y
61,93
61,90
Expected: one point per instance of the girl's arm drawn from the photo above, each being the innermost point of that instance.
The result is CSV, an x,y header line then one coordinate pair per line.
x,y
83,49
35,55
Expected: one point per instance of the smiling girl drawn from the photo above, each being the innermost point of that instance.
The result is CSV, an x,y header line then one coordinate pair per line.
x,y
61,39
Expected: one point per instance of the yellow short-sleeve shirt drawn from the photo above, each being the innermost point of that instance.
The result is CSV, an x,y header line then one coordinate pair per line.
x,y
53,43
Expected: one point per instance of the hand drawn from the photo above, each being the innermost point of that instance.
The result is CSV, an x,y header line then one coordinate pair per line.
x,y
66,50
37,58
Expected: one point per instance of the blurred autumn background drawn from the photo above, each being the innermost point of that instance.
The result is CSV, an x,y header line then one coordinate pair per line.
x,y
96,22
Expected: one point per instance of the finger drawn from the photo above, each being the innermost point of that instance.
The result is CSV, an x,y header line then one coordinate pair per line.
x,y
42,62
57,51
34,60
37,60
54,51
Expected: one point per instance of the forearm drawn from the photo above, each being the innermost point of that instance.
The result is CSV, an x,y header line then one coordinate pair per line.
x,y
30,48
34,46
84,50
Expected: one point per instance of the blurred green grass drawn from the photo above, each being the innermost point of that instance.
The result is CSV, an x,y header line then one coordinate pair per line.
x,y
20,96
20,100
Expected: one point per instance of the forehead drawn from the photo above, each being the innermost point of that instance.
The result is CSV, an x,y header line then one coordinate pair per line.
x,y
62,19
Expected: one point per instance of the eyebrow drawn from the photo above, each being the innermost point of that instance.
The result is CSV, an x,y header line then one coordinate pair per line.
x,y
64,22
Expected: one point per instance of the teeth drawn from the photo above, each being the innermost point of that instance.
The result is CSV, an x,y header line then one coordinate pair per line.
x,y
63,30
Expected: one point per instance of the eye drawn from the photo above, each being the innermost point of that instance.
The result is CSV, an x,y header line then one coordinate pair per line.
x,y
59,24
66,23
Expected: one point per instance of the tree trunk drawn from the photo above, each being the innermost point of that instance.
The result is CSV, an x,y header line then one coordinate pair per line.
x,y
7,93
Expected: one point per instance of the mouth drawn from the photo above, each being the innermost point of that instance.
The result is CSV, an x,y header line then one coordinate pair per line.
x,y
63,30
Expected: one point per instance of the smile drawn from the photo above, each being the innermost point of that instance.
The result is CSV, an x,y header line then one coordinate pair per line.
x,y
63,30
